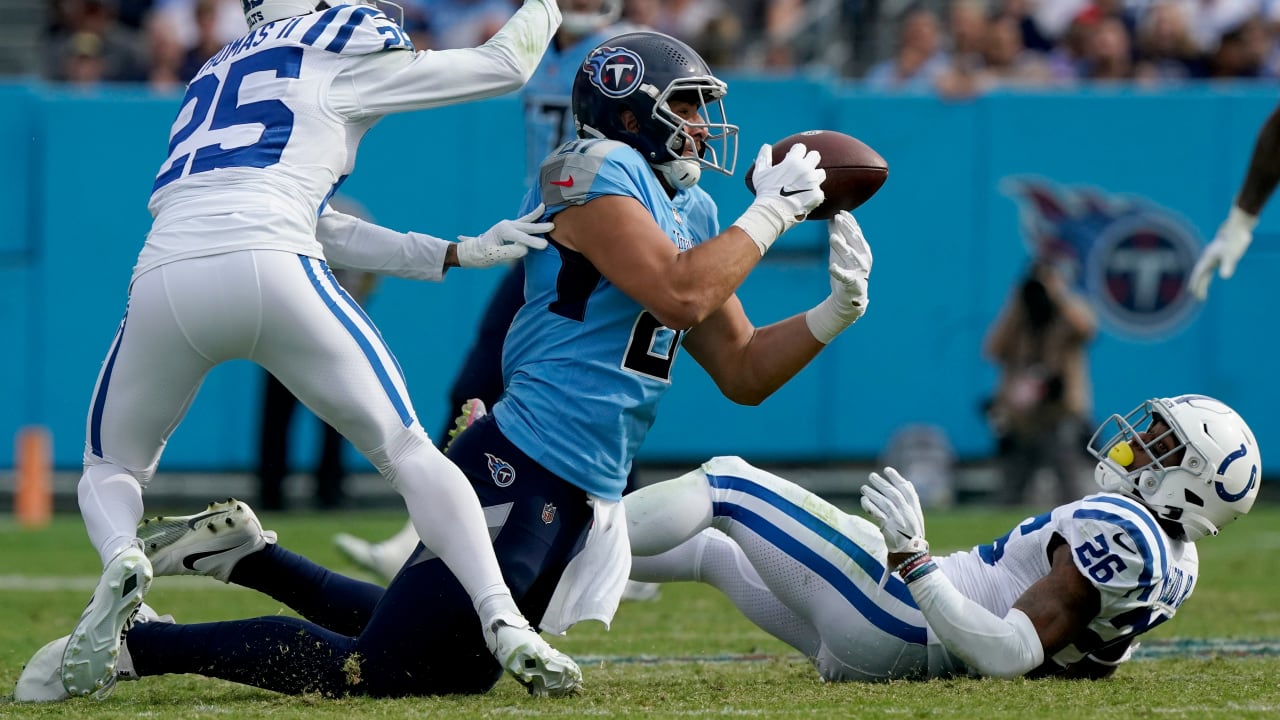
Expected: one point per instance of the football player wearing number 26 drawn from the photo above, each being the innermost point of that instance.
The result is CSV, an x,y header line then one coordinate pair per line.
x,y
235,267
1065,593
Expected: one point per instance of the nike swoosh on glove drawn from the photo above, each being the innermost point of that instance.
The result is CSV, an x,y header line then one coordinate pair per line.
x,y
785,193
893,505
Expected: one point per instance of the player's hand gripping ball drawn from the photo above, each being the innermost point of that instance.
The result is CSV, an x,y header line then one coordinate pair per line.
x,y
855,172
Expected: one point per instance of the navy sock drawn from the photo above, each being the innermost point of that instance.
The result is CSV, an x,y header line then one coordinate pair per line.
x,y
331,600
277,653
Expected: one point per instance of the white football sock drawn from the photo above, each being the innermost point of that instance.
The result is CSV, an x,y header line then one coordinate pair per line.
x,y
447,516
111,505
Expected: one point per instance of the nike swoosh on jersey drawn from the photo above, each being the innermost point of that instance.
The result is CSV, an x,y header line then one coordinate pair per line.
x,y
563,183
1122,540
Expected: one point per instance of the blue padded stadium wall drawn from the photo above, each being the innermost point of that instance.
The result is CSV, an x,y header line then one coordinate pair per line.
x,y
1135,181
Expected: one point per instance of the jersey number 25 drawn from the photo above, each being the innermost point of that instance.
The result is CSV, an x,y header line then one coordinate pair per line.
x,y
223,99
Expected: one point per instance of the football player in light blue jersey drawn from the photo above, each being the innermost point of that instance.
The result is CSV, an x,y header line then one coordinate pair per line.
x,y
235,267
634,270
548,120
1065,593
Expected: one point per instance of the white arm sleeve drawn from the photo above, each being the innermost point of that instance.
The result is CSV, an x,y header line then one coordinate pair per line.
x,y
399,81
995,647
355,244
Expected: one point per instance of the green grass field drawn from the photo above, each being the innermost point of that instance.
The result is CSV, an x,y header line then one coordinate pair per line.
x,y
688,654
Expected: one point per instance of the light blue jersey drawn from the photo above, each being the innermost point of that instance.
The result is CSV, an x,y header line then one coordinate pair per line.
x,y
584,364
547,97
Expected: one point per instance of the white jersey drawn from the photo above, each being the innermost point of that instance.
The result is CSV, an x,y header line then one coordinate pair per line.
x,y
1142,575
270,125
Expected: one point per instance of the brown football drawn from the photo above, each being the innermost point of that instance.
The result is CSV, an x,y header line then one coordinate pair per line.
x,y
855,172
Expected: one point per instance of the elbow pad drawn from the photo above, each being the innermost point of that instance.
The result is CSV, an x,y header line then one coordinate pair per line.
x,y
1005,647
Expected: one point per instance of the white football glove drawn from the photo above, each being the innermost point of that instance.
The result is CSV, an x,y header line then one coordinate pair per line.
x,y
1224,252
892,503
785,193
850,268
508,240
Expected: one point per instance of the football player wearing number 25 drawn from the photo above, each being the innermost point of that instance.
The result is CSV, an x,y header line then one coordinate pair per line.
x,y
1065,593
236,267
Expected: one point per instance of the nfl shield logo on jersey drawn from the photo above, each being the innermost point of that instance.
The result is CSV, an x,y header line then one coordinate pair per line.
x,y
548,513
500,470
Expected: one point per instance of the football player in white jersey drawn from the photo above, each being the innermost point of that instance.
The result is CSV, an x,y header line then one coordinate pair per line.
x,y
1064,593
235,267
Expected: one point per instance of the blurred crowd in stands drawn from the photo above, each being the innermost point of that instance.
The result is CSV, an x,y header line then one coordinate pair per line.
x,y
956,47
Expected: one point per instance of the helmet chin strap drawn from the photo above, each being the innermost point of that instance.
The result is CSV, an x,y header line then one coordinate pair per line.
x,y
1109,479
681,174
1196,527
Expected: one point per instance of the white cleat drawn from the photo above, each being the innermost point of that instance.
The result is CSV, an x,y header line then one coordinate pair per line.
x,y
376,558
93,649
41,678
530,660
208,543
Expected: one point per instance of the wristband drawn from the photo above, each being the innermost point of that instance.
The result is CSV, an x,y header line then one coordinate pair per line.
x,y
917,557
919,571
763,222
916,567
826,320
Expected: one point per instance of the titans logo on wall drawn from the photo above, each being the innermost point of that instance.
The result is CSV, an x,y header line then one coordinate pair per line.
x,y
616,71
1129,256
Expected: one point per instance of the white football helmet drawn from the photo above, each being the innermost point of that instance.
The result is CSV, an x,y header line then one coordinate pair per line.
x,y
261,12
583,17
1217,479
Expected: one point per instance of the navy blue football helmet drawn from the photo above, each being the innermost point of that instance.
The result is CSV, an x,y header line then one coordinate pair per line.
x,y
642,72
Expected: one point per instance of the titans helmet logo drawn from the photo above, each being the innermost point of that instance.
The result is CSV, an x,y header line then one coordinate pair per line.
x,y
1129,256
616,71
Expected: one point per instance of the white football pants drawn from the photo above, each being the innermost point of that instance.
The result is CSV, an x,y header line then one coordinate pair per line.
x,y
797,566
287,313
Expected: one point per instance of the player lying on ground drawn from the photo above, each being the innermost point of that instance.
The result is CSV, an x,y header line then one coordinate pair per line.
x,y
1063,593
